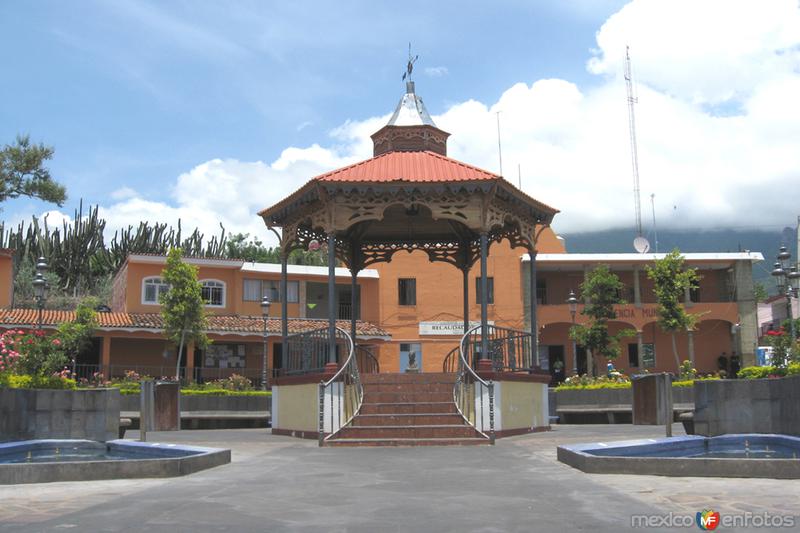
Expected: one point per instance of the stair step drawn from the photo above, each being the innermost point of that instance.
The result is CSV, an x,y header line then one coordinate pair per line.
x,y
409,432
375,408
408,387
427,377
408,442
407,397
408,419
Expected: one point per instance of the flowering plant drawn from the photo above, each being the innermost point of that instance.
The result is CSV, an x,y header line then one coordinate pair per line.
x,y
784,348
33,353
8,352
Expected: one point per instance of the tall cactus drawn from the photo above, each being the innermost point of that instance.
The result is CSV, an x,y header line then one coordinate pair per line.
x,y
77,252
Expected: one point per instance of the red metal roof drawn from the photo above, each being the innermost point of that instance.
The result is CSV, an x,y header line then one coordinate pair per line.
x,y
26,318
423,167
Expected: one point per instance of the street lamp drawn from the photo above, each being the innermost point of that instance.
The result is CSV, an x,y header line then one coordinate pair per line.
x,y
788,282
573,308
40,287
265,303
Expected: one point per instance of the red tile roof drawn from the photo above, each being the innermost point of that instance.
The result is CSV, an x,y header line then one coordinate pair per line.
x,y
422,167
152,321
402,167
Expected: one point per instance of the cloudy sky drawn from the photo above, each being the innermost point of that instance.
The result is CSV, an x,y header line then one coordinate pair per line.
x,y
209,111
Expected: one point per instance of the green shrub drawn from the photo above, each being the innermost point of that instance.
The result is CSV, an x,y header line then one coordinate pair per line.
x,y
204,392
761,372
24,381
223,392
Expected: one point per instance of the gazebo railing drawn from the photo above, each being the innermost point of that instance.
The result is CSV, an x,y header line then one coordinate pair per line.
x,y
307,352
340,397
508,349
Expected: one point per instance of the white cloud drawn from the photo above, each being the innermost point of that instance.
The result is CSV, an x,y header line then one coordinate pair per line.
x,y
436,72
124,193
707,168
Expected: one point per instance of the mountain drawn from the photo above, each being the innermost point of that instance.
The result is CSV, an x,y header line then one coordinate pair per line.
x,y
621,241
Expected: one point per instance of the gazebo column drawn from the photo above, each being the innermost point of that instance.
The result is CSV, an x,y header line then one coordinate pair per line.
x,y
484,362
534,321
331,301
465,276
284,307
353,290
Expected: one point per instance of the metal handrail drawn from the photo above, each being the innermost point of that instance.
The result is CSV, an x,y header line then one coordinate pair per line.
x,y
367,362
471,393
343,394
451,360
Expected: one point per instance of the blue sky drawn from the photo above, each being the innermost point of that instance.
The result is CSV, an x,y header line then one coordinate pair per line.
x,y
142,98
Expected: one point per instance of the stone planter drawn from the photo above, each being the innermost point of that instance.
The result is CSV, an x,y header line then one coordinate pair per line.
x,y
607,405
27,414
747,406
191,403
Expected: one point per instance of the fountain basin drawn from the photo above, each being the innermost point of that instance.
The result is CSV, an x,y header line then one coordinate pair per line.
x,y
741,455
50,460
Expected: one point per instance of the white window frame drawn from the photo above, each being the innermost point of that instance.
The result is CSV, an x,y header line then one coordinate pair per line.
x,y
161,283
215,283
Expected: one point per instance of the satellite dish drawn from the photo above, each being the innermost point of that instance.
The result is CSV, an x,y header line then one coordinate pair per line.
x,y
641,245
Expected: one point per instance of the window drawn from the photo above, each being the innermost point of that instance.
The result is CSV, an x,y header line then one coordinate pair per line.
x,y
541,292
213,292
490,284
633,355
694,294
152,288
648,355
410,356
407,291
255,289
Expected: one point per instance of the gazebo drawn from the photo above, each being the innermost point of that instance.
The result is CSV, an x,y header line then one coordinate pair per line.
x,y
410,196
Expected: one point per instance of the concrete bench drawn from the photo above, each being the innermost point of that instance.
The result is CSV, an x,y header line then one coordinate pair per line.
x,y
615,414
215,419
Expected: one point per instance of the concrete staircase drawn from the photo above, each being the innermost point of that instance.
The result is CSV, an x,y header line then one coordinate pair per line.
x,y
408,410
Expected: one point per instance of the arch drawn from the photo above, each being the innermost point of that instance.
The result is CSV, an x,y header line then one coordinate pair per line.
x,y
152,288
214,292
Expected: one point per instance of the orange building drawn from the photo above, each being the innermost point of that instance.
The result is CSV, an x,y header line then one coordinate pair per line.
x,y
430,323
130,335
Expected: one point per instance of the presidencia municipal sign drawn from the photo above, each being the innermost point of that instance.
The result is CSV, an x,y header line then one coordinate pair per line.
x,y
446,328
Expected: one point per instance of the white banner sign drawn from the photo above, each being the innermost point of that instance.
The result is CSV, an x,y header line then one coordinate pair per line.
x,y
446,328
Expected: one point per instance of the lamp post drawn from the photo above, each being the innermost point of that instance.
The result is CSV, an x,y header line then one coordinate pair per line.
x,y
265,303
573,308
788,282
40,287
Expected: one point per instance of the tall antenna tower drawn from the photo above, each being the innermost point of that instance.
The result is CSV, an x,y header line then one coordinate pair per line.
x,y
640,244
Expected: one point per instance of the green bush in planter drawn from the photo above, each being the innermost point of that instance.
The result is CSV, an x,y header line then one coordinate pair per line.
x,y
761,372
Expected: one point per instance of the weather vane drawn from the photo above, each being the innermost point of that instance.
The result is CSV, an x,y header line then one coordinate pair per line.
x,y
410,65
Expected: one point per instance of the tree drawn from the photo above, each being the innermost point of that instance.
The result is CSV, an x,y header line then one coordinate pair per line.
x,y
22,172
77,335
182,306
239,247
760,292
671,281
602,288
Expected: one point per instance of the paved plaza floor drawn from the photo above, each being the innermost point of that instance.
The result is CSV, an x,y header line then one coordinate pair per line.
x,y
283,484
